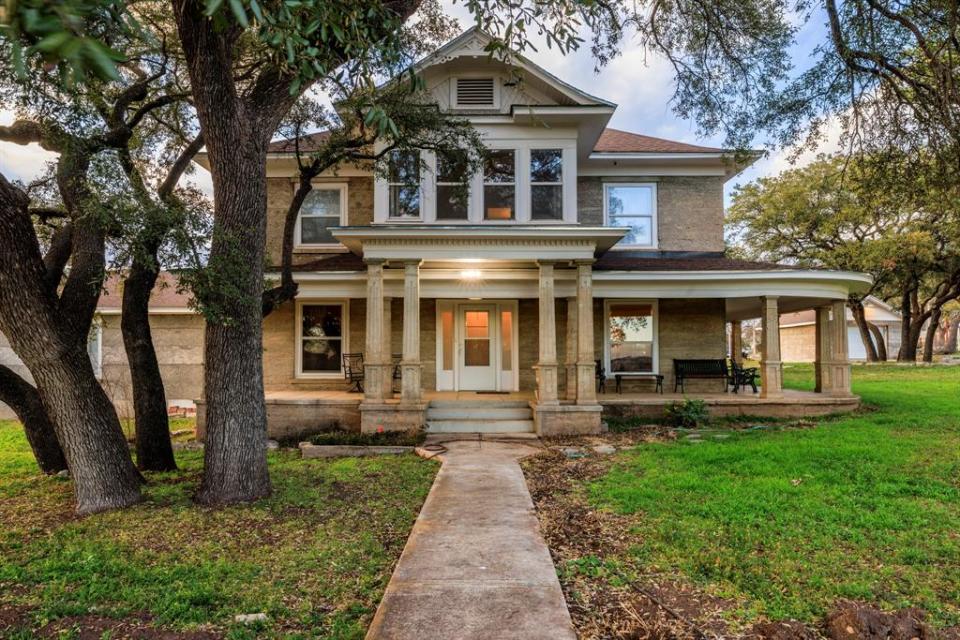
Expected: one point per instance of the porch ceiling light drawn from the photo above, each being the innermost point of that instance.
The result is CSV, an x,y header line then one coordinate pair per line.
x,y
471,274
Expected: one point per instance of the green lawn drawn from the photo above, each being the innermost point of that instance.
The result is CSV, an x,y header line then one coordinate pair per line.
x,y
786,521
315,557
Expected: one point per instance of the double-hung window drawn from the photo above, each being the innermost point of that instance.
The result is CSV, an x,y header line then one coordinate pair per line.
x,y
452,188
500,185
321,338
403,184
633,206
546,184
631,336
321,211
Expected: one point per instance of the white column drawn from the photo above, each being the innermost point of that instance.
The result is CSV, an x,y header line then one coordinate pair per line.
x,y
571,352
547,363
410,387
839,350
586,367
770,366
373,353
386,354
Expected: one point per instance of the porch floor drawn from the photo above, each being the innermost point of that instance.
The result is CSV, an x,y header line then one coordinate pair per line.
x,y
790,397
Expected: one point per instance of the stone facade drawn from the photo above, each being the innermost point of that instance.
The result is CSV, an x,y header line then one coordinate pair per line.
x,y
280,194
178,340
689,209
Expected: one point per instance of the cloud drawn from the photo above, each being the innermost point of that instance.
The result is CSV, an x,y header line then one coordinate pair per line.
x,y
21,162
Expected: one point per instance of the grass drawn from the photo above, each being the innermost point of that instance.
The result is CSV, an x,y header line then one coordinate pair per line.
x,y
315,556
787,521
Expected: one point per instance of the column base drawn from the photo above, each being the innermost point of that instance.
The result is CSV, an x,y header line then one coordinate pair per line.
x,y
566,419
378,417
374,374
410,387
571,386
586,384
771,380
547,383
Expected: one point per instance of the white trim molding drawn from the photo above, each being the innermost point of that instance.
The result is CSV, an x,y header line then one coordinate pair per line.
x,y
302,247
655,330
654,222
344,304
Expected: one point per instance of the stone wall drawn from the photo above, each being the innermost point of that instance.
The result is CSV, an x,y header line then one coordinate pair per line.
x,y
798,344
178,340
279,344
280,194
689,209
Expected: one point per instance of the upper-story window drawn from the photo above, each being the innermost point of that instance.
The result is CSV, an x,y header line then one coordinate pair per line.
x,y
633,206
452,189
404,184
322,209
500,185
546,184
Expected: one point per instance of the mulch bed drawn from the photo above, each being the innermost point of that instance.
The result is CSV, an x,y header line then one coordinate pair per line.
x,y
92,627
652,606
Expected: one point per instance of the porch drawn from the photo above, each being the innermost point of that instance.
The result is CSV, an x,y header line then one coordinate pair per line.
x,y
296,414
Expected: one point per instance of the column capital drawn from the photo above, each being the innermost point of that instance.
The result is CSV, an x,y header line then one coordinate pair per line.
x,y
585,262
416,262
547,263
374,262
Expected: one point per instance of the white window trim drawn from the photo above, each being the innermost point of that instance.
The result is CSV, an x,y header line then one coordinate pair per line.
x,y
381,192
308,246
299,373
515,184
654,224
655,306
496,90
560,183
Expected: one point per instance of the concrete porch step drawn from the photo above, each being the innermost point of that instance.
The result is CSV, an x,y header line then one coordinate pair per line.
x,y
494,412
479,426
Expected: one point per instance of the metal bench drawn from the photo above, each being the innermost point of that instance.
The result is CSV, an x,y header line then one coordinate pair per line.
x,y
636,374
712,368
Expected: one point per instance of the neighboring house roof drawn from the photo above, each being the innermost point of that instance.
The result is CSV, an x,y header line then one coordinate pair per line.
x,y
610,141
333,262
164,297
617,141
876,310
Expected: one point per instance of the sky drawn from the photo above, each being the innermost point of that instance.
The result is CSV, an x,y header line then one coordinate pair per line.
x,y
639,84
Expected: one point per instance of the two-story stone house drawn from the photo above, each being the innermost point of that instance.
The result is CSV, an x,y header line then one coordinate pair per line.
x,y
578,243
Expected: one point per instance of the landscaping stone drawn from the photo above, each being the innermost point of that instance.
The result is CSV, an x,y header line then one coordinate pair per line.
x,y
573,452
272,445
308,450
250,618
605,449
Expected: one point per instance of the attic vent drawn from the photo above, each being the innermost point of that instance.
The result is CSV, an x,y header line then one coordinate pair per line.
x,y
475,92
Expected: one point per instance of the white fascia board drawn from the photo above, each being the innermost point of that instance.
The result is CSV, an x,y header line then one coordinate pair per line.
x,y
679,155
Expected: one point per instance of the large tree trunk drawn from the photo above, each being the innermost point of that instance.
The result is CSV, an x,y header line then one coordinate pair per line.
x,y
880,340
46,334
235,451
25,401
856,308
909,332
933,324
154,449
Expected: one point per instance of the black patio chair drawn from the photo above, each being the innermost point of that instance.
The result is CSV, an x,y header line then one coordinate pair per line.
x,y
353,370
601,376
743,377
395,360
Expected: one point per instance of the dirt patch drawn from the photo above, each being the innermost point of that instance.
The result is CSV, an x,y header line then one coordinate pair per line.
x,y
580,538
855,621
91,627
619,600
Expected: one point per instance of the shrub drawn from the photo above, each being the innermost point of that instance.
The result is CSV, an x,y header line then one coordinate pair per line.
x,y
386,438
688,414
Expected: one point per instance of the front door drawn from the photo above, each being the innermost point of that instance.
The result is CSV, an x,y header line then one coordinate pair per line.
x,y
478,347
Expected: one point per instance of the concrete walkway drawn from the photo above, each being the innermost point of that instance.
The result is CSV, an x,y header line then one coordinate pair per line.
x,y
475,565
